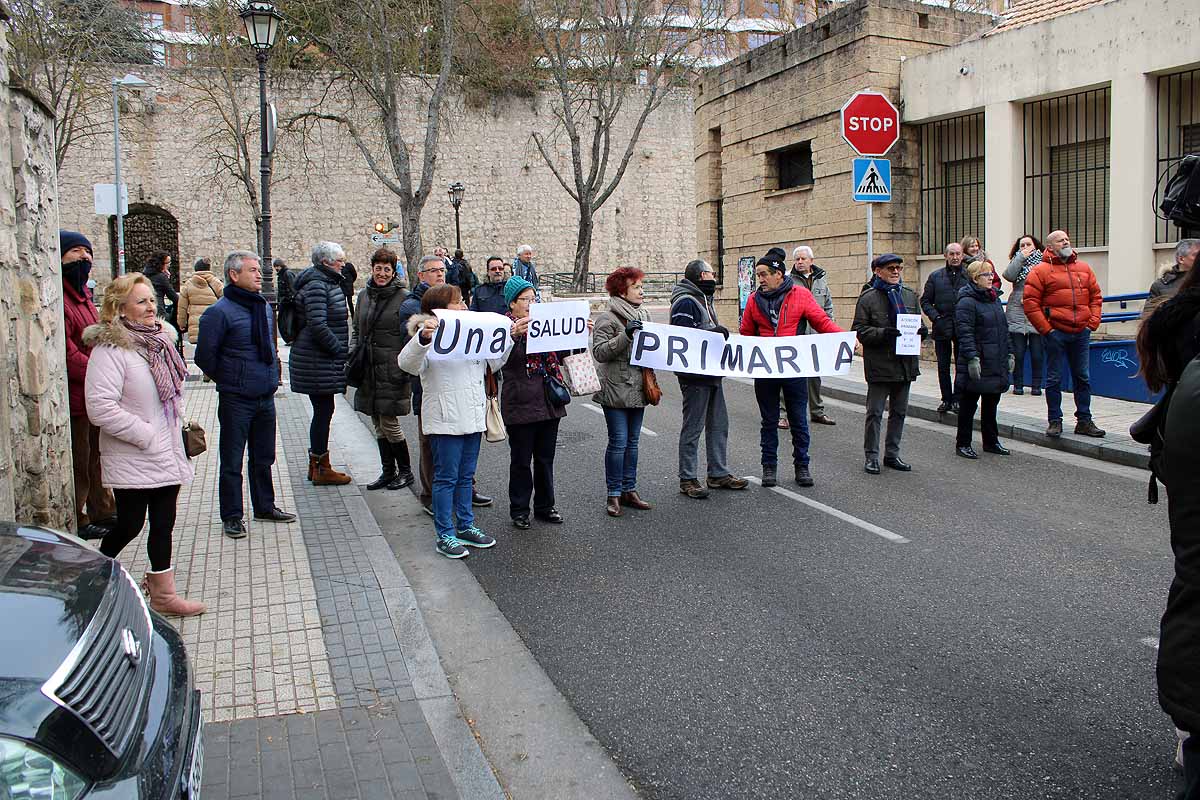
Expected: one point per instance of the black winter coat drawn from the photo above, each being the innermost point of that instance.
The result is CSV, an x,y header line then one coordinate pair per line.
x,y
523,396
387,389
940,298
983,334
317,364
410,307
871,318
489,297
1179,640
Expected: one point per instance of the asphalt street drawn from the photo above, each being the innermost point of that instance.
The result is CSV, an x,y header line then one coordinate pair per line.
x,y
998,644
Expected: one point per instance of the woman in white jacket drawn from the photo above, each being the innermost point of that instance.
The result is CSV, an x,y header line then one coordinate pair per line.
x,y
453,408
134,395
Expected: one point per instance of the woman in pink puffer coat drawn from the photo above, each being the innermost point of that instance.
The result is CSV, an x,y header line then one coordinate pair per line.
x,y
134,395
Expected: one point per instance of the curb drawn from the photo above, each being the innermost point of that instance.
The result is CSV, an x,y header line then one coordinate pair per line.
x,y
1012,426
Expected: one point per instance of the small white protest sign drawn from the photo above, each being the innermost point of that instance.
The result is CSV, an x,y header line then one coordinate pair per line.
x,y
558,326
909,341
467,335
678,349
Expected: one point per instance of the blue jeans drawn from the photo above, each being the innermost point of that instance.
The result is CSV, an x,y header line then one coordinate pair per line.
x,y
454,460
245,421
1075,346
620,457
795,399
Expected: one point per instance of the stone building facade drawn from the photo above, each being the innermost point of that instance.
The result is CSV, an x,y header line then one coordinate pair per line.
x,y
323,188
36,484
771,166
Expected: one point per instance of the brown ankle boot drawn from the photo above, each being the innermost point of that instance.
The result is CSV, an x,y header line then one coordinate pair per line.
x,y
613,506
326,475
631,500
163,599
312,464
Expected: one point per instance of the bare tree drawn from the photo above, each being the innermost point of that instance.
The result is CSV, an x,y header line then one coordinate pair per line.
x,y
377,53
63,51
610,62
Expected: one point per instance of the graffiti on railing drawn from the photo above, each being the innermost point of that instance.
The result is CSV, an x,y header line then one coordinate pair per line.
x,y
1119,358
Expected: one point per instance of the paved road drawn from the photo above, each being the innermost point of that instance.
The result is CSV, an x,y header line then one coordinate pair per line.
x,y
754,646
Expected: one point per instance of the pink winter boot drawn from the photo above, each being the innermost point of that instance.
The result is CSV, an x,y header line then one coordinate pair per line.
x,y
163,599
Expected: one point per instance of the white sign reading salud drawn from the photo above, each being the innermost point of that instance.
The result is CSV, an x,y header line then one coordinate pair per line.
x,y
467,335
909,341
678,349
558,326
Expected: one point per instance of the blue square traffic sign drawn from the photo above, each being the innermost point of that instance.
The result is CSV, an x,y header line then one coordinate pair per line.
x,y
872,180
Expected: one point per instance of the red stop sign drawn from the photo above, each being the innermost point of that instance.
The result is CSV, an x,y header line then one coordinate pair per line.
x,y
870,123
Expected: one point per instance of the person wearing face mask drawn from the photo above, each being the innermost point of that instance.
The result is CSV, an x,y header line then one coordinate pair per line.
x,y
985,359
938,301
1026,253
1062,301
95,507
781,308
703,396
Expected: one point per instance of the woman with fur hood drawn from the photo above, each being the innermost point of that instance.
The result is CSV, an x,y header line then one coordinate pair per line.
x,y
453,409
134,395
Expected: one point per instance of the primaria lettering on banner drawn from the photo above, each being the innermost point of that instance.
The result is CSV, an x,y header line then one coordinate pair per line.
x,y
678,349
470,335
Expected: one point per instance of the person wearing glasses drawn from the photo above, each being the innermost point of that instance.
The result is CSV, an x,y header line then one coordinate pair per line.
x,y
889,376
317,364
489,296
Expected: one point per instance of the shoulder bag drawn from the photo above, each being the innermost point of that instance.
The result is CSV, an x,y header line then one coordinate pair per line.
x,y
650,386
494,429
194,442
579,373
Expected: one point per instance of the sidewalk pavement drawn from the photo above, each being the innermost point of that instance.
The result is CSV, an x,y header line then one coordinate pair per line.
x,y
317,674
1021,418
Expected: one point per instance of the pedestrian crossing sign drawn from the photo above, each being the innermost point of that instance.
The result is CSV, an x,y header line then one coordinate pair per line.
x,y
872,180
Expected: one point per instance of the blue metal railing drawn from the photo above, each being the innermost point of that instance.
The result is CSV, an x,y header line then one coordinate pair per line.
x,y
1124,300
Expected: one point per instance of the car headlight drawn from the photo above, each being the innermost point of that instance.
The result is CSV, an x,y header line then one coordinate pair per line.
x,y
29,774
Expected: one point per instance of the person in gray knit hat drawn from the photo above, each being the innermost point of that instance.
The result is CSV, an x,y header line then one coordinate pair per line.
x,y
703,396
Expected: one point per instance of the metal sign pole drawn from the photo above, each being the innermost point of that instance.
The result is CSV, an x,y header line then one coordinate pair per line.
x,y
870,237
117,185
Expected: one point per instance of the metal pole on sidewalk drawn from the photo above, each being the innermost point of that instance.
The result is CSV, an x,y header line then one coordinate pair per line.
x,y
116,84
870,237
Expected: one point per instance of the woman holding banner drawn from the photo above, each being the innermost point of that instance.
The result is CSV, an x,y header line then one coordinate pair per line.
x,y
622,394
453,405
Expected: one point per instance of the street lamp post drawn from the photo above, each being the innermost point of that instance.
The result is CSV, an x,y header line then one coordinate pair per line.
x,y
130,81
456,191
262,25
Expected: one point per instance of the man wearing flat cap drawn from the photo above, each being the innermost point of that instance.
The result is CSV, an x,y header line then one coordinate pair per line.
x,y
889,376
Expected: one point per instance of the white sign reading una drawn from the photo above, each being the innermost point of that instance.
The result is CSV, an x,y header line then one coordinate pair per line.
x,y
470,335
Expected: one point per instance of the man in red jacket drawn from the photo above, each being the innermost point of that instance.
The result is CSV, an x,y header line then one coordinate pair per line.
x,y
781,308
79,312
1062,301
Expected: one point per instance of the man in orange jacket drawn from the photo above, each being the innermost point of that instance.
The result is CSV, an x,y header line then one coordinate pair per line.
x,y
781,308
1062,301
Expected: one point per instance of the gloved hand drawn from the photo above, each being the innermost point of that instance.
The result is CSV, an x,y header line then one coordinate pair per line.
x,y
721,329
923,332
892,333
973,368
632,327
1012,363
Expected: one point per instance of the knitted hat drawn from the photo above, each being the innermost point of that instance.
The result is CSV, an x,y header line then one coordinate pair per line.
x,y
68,240
513,288
775,259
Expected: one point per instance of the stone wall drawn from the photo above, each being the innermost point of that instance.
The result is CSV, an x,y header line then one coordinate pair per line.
x,y
791,91
326,190
36,484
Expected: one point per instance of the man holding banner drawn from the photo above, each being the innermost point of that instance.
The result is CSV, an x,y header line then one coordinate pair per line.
x,y
781,308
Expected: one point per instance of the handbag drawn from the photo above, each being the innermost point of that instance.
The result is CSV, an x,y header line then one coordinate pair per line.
x,y
494,430
194,442
556,393
650,386
358,363
579,374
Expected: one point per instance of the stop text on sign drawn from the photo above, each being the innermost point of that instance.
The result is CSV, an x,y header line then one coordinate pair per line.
x,y
869,124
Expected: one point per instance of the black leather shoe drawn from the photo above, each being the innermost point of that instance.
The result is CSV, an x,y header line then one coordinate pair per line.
x,y
552,515
897,464
997,449
804,477
275,515
871,467
480,500
944,408
234,528
94,531
521,523
966,452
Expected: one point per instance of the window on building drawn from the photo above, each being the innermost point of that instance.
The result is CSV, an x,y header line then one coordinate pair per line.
x,y
191,24
159,52
675,8
154,21
712,9
790,166
1178,135
715,46
754,40
952,186
1067,166
771,9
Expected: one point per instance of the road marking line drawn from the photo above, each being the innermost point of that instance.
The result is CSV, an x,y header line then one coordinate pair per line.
x,y
1150,641
833,512
600,411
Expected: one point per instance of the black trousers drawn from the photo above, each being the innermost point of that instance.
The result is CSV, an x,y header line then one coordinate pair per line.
x,y
132,505
947,356
246,421
987,418
318,430
534,441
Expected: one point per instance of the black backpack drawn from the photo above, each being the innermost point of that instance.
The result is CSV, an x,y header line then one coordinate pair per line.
x,y
1181,198
291,314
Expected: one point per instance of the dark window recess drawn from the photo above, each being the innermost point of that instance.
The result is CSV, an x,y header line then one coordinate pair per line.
x,y
794,166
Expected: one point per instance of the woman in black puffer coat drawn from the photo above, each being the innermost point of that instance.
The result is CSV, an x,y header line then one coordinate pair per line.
x,y
984,358
317,363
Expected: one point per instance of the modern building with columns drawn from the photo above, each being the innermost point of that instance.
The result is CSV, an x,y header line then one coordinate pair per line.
x,y
1059,120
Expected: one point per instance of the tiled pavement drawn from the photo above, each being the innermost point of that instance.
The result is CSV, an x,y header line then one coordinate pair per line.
x,y
304,687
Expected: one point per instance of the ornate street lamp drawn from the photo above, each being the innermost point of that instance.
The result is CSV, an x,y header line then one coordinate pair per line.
x,y
262,25
456,191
